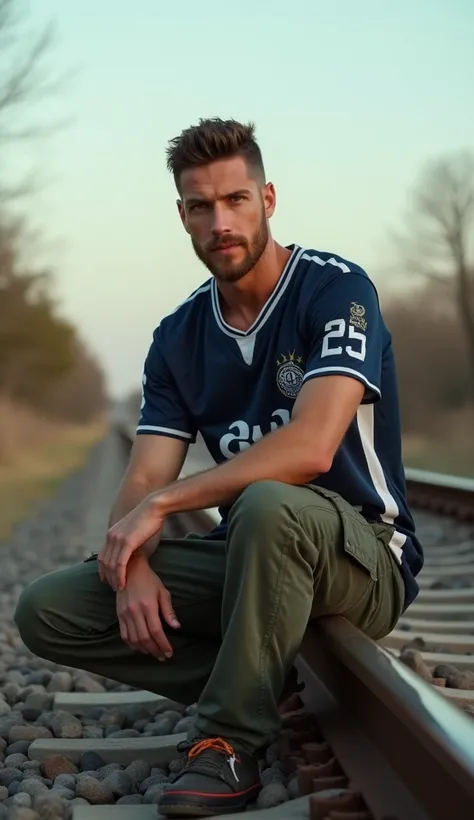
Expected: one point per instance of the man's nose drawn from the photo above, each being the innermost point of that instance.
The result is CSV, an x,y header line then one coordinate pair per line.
x,y
220,220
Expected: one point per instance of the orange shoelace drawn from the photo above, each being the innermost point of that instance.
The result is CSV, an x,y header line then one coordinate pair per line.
x,y
216,743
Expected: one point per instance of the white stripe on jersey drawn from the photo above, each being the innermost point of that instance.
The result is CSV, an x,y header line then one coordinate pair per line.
x,y
342,265
365,422
153,429
343,370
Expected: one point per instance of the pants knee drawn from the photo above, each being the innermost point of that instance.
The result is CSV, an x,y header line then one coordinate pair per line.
x,y
263,508
28,615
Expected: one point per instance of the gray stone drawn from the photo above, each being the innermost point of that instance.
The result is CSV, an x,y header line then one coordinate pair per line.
x,y
293,789
162,726
9,774
85,775
108,769
39,700
3,793
28,733
119,783
192,709
33,689
65,725
65,781
139,725
20,747
154,793
90,761
60,682
30,714
85,683
33,786
65,794
153,780
45,719
272,795
14,787
92,732
8,722
112,731
5,709
11,692
113,717
23,813
42,676
94,791
15,760
130,800
22,799
184,724
138,770
176,765
15,676
272,753
50,806
30,764
272,775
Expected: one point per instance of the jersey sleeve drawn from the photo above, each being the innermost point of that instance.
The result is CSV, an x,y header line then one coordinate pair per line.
x,y
163,411
346,333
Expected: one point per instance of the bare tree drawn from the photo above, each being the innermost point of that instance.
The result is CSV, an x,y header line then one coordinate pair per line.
x,y
439,239
25,81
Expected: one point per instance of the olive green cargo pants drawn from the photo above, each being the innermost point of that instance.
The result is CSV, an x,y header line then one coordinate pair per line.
x,y
291,554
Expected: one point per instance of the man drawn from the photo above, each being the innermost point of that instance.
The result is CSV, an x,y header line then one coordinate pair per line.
x,y
282,362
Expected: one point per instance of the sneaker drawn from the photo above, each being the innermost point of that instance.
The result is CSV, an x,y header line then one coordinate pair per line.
x,y
215,779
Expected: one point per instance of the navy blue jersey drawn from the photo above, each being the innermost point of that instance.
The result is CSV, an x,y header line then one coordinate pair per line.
x,y
235,386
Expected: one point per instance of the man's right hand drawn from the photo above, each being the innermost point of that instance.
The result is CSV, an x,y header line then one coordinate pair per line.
x,y
141,606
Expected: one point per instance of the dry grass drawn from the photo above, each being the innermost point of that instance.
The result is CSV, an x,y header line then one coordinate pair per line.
x,y
35,455
450,449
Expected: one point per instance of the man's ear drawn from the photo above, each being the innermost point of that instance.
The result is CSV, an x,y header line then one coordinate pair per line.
x,y
182,214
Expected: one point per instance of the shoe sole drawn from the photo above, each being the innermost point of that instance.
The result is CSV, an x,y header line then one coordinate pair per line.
x,y
196,808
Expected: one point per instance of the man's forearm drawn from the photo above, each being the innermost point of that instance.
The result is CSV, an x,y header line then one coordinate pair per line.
x,y
129,496
285,455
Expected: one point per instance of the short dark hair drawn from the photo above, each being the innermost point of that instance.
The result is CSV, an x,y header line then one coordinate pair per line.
x,y
213,139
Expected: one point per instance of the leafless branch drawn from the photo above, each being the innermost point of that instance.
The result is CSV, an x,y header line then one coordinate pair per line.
x,y
438,240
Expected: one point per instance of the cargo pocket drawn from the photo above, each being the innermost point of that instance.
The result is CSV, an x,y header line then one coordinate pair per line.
x,y
359,540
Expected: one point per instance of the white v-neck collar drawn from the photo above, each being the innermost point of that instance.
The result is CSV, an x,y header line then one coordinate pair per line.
x,y
267,308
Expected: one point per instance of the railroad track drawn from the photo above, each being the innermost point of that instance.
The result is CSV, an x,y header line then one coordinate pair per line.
x,y
380,733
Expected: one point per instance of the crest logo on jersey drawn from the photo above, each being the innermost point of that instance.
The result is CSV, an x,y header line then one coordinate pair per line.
x,y
357,316
290,374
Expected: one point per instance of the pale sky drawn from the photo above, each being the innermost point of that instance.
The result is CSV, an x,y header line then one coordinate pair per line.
x,y
349,99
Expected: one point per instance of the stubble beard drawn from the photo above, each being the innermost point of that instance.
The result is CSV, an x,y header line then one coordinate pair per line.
x,y
226,270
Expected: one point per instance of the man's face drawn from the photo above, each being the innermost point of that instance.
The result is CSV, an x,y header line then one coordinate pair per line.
x,y
225,212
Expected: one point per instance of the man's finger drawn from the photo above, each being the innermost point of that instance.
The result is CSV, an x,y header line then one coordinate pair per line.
x,y
121,562
145,639
124,633
167,611
132,632
156,632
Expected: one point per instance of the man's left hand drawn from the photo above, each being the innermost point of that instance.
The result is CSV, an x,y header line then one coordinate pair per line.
x,y
127,536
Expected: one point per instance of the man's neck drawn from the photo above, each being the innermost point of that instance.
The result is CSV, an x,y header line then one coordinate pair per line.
x,y
242,301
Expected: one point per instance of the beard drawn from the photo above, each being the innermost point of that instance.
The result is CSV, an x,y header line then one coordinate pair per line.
x,y
225,268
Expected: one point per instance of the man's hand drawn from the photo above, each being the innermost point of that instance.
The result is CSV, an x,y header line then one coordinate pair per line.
x,y
141,606
127,536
